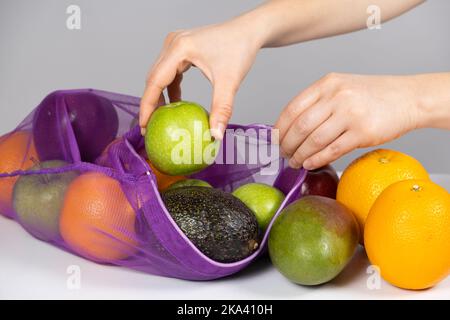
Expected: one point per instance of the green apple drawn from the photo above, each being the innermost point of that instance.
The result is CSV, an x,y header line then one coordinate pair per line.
x,y
38,199
262,199
178,139
189,183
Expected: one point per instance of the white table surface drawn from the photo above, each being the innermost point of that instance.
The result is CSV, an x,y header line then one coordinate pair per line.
x,y
33,269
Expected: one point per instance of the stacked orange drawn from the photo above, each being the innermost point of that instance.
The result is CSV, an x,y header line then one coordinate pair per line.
x,y
17,152
408,234
404,217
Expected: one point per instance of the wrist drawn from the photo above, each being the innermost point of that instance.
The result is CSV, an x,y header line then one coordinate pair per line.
x,y
433,100
257,25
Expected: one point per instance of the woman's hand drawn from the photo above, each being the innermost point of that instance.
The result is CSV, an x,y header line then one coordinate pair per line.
x,y
224,53
342,112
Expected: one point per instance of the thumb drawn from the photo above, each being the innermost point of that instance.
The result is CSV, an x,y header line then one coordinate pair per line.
x,y
221,110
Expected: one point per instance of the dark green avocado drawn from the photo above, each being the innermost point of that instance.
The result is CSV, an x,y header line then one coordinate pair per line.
x,y
218,224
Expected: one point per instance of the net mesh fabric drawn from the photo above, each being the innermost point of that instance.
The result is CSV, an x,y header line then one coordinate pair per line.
x,y
139,233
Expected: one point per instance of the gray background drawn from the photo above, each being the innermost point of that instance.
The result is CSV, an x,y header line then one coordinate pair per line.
x,y
120,39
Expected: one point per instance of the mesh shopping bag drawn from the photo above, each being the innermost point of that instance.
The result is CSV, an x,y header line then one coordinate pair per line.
x,y
74,174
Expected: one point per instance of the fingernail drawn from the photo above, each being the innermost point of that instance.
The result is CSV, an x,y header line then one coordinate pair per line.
x,y
218,132
143,131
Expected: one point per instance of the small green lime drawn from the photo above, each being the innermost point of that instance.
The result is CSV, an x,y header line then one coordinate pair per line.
x,y
262,199
189,183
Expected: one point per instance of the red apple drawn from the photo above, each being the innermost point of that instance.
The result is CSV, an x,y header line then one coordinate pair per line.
x,y
321,182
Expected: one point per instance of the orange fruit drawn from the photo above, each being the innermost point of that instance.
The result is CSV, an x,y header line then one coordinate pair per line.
x,y
103,158
367,176
17,152
97,221
105,151
163,180
407,234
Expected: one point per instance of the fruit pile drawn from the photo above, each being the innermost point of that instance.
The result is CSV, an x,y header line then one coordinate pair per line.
x,y
403,216
402,219
384,200
81,211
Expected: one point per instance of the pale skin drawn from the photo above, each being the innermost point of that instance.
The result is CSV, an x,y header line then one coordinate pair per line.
x,y
333,116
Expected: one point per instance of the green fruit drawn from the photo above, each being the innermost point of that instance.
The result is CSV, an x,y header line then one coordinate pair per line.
x,y
178,139
312,240
189,183
262,199
216,222
38,199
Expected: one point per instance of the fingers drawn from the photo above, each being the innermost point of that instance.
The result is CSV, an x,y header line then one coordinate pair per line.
x,y
222,108
344,144
161,76
320,138
152,94
323,88
174,89
303,126
299,104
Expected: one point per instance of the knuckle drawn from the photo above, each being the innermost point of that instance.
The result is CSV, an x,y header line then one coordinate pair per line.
x,y
290,111
335,150
301,126
346,93
331,79
170,36
226,107
316,139
224,110
183,41
152,82
354,111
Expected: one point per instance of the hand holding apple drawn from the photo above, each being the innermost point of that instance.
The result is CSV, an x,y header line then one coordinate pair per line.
x,y
178,139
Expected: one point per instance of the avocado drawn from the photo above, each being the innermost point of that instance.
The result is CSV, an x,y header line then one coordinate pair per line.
x,y
218,224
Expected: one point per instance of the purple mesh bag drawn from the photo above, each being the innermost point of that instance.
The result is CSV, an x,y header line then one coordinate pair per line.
x,y
91,131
